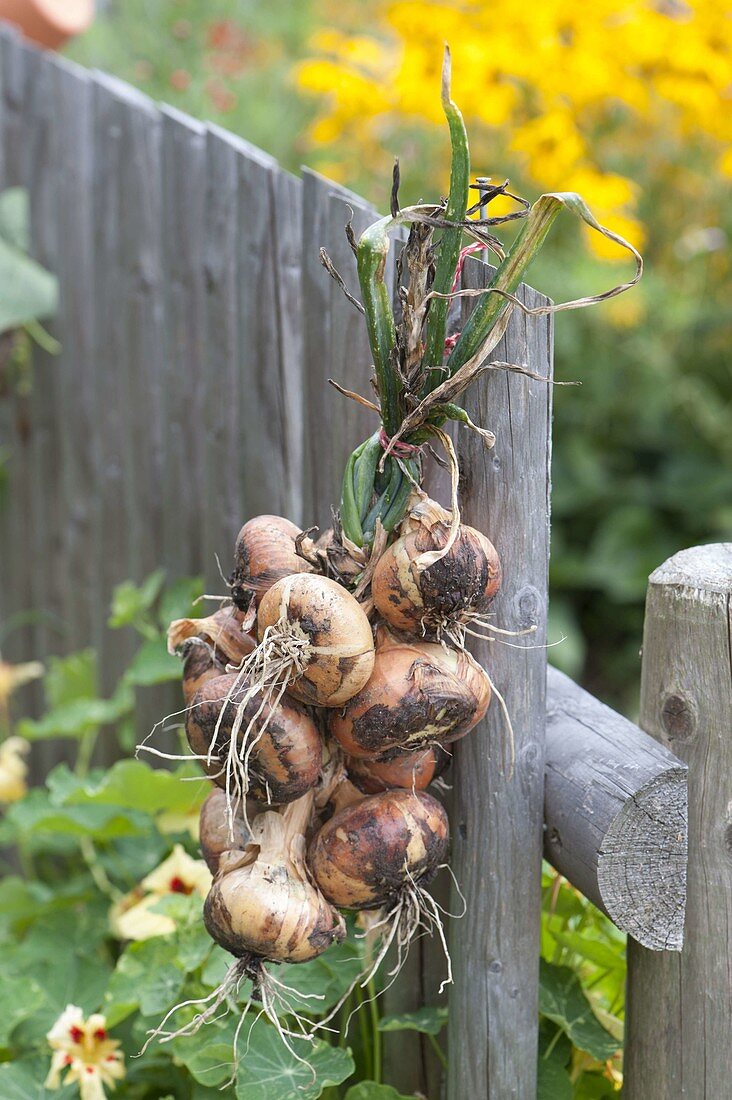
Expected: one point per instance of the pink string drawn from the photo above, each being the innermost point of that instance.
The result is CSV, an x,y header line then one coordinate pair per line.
x,y
469,250
399,449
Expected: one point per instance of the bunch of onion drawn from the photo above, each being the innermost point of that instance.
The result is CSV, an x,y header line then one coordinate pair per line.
x,y
263,907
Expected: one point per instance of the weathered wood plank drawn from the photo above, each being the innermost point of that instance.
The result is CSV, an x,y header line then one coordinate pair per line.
x,y
17,532
336,345
615,815
263,453
185,361
128,344
497,818
287,244
679,1007
74,369
223,504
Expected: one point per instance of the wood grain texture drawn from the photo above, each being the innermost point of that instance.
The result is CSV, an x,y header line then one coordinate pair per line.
x,y
185,361
679,1007
615,814
336,345
497,817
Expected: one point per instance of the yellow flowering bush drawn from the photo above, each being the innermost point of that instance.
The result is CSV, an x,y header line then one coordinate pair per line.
x,y
566,95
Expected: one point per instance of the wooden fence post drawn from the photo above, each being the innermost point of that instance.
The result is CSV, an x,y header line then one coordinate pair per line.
x,y
497,818
679,1010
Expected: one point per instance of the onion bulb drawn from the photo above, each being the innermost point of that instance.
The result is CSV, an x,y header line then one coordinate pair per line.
x,y
282,758
265,552
410,770
199,667
315,636
368,853
262,902
419,694
420,587
214,834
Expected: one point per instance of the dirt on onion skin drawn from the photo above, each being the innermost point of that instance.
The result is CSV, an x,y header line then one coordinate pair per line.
x,y
360,858
286,761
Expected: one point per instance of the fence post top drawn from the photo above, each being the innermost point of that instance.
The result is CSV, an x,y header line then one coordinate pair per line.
x,y
706,567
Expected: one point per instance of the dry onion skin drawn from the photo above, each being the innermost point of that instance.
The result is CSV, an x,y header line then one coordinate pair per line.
x,y
225,633
262,902
266,551
214,833
285,749
420,693
410,770
369,852
429,599
322,636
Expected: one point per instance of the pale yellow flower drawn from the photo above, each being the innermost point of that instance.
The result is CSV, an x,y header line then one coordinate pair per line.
x,y
83,1049
13,769
14,676
132,917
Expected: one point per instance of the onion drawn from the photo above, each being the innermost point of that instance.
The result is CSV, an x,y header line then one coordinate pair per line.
x,y
226,633
262,902
213,830
421,587
411,770
316,636
369,852
263,906
199,667
265,552
283,757
419,694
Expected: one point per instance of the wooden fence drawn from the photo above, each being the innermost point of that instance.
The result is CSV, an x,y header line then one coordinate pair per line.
x,y
198,331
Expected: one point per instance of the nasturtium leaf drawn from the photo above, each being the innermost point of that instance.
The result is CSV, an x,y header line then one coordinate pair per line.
x,y
431,1019
133,785
152,664
70,678
555,1054
553,1082
562,1000
130,601
178,601
147,976
20,998
322,982
24,1081
268,1069
593,1086
36,814
77,717
29,291
369,1090
594,951
15,217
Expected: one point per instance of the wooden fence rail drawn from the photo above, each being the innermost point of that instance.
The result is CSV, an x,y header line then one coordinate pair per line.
x,y
198,333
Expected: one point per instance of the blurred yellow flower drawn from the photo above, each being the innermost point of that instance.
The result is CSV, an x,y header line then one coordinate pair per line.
x,y
84,1050
13,769
554,90
132,918
12,677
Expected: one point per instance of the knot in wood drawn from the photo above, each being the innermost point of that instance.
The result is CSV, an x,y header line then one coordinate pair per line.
x,y
678,716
